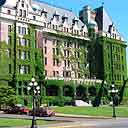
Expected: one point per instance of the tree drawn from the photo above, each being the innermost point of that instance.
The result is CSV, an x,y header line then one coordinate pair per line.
x,y
7,96
39,66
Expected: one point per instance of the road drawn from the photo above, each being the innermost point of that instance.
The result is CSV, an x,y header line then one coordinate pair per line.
x,y
77,122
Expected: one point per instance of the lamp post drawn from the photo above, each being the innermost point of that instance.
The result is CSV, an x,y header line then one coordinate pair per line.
x,y
113,91
35,90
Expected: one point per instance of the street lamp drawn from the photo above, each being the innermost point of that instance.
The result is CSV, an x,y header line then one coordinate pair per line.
x,y
35,90
113,91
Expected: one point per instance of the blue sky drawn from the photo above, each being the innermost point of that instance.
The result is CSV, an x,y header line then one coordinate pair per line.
x,y
117,9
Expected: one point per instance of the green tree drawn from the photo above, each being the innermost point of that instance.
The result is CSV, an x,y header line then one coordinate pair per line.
x,y
7,96
39,66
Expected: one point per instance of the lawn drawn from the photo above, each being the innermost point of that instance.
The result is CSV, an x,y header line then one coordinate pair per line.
x,y
4,122
121,111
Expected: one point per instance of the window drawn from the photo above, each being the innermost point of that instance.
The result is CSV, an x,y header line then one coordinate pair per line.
x,y
78,64
67,74
85,34
78,54
19,54
24,69
65,64
45,25
68,53
54,73
24,13
19,29
20,12
57,51
45,40
45,15
65,53
68,63
45,61
67,29
19,91
10,68
57,18
56,27
9,12
28,55
25,91
53,26
9,28
28,31
22,4
55,62
9,53
23,42
34,17
28,43
54,42
79,75
23,55
45,50
21,69
9,40
123,67
53,51
23,30
45,72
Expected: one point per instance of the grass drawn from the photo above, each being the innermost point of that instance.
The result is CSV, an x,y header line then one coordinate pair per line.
x,y
5,122
93,111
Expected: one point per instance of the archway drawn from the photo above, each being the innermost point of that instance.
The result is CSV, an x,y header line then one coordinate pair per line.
x,y
81,92
52,90
68,91
92,91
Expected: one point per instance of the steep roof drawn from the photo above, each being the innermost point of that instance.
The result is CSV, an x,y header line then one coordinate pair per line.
x,y
104,21
51,10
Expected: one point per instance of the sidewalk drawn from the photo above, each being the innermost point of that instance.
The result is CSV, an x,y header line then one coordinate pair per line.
x,y
71,124
81,116
64,125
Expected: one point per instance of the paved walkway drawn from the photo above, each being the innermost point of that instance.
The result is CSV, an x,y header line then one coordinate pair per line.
x,y
64,125
71,121
81,116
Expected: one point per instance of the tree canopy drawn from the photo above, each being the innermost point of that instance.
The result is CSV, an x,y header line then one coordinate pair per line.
x,y
7,96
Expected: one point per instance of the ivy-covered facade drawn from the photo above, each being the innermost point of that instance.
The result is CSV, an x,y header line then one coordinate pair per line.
x,y
107,48
111,66
57,48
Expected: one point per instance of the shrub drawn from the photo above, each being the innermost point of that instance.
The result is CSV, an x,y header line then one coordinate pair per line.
x,y
57,100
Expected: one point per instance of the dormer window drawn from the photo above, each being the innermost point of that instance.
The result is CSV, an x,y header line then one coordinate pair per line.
x,y
44,13
56,16
64,18
9,12
22,4
75,21
34,17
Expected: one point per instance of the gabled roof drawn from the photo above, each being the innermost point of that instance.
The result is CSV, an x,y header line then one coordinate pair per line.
x,y
104,21
51,9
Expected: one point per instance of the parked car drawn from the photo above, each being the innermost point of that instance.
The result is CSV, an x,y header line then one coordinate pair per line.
x,y
17,110
43,111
